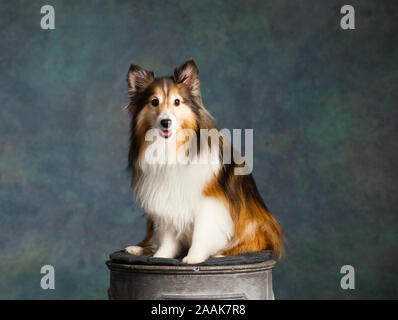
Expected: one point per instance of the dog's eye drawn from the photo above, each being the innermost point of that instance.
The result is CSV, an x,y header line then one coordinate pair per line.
x,y
155,102
177,102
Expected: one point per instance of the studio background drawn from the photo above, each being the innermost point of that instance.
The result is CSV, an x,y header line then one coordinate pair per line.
x,y
322,102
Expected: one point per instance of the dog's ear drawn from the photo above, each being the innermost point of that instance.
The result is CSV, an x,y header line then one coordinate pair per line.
x,y
188,74
138,78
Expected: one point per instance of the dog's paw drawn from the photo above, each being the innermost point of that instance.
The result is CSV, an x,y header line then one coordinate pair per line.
x,y
193,259
135,250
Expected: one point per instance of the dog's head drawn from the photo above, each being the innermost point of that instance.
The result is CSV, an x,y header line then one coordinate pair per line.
x,y
167,104
165,111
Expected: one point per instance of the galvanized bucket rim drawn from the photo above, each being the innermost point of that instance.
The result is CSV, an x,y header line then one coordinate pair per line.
x,y
194,269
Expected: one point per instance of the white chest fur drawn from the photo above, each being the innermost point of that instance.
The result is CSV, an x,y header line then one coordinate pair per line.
x,y
173,193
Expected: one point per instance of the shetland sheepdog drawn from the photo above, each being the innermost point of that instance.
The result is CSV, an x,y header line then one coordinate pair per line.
x,y
194,209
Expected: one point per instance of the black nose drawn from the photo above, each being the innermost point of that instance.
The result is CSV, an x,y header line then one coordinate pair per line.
x,y
166,123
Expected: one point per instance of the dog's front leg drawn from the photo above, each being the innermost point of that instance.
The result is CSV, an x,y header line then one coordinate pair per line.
x,y
169,246
213,228
145,246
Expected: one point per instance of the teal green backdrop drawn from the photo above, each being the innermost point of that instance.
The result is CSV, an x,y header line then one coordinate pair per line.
x,y
322,102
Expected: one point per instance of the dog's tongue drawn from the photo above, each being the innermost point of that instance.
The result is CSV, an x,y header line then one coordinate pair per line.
x,y
166,133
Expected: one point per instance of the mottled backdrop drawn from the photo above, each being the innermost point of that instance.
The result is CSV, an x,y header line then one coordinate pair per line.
x,y
322,102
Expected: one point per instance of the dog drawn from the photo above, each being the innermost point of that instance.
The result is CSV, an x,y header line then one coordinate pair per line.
x,y
194,210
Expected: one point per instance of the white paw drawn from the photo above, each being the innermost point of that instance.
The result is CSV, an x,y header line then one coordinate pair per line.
x,y
193,259
163,254
134,250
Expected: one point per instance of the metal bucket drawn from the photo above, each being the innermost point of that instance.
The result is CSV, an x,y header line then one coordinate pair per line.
x,y
179,282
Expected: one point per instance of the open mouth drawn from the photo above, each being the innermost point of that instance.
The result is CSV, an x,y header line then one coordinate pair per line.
x,y
165,133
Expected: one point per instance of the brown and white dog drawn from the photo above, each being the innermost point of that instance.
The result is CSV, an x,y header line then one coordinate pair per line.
x,y
194,210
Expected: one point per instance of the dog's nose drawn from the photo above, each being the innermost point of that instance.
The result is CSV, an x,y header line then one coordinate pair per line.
x,y
166,123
